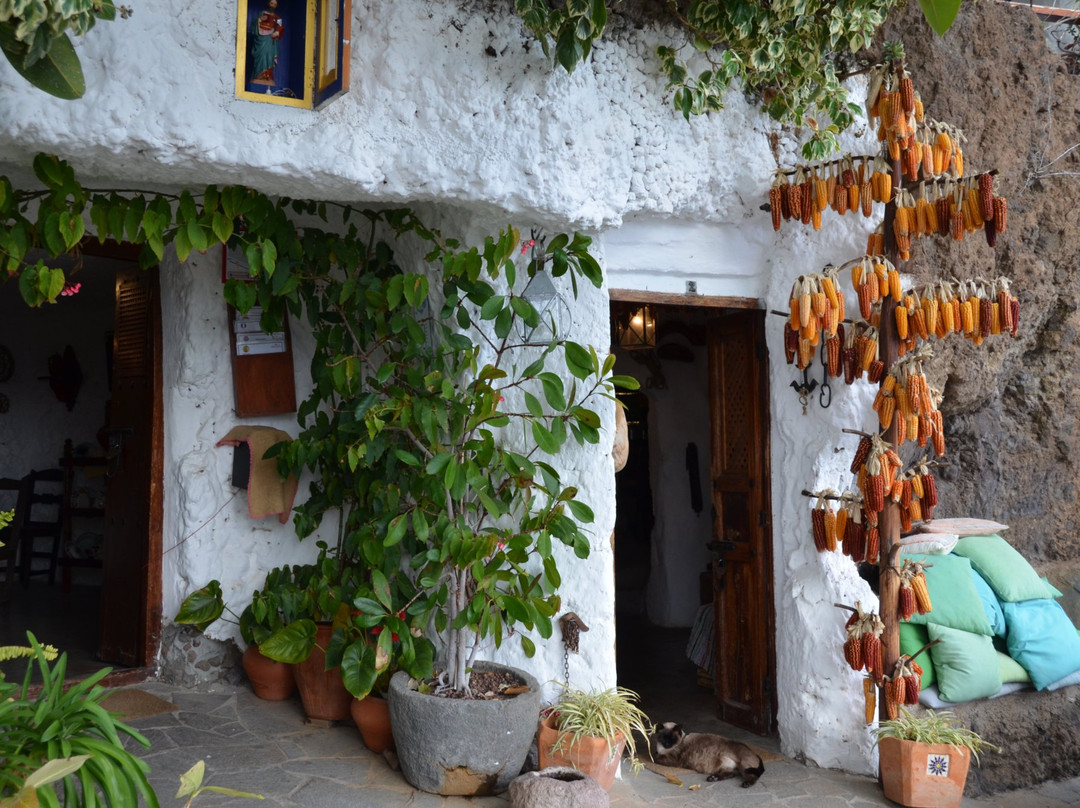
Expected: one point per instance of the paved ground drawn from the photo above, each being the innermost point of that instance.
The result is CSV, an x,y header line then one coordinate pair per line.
x,y
266,747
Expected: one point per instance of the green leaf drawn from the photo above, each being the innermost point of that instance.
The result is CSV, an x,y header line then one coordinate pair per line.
x,y
191,780
528,646
568,49
59,73
291,644
222,226
544,439
578,360
381,586
202,607
940,14
71,228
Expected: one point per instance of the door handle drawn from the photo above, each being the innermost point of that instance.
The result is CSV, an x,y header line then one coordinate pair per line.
x,y
116,438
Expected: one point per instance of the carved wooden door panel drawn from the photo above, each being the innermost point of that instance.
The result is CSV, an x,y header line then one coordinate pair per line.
x,y
743,591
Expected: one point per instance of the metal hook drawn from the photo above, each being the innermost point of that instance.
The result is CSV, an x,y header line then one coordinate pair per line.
x,y
825,396
805,389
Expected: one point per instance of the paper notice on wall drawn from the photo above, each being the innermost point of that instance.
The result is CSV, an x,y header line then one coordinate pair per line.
x,y
251,339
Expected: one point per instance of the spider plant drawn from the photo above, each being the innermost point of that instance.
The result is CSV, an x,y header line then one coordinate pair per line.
x,y
934,728
599,714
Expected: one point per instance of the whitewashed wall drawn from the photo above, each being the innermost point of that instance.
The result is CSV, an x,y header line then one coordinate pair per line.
x,y
479,141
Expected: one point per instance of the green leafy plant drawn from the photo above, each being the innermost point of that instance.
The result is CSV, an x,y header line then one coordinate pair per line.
x,y
601,714
191,786
56,724
427,423
785,53
34,38
933,728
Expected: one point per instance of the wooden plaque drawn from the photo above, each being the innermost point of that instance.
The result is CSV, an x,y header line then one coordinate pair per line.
x,y
262,382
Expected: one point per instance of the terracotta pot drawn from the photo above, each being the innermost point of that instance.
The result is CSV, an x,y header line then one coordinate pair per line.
x,y
589,755
372,717
270,679
921,775
322,691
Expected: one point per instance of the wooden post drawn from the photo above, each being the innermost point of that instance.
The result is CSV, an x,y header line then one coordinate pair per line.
x,y
889,518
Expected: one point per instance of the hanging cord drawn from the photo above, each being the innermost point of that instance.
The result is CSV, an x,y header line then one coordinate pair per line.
x,y
208,521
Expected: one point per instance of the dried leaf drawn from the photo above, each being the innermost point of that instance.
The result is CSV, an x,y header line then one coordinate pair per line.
x,y
675,781
694,787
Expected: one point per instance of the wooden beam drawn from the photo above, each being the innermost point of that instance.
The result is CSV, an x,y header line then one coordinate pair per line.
x,y
675,299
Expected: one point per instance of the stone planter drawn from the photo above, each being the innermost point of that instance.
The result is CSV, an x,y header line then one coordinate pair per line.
x,y
322,691
270,679
465,747
585,754
557,786
372,717
921,775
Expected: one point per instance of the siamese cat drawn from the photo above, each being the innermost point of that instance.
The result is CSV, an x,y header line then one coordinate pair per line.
x,y
708,754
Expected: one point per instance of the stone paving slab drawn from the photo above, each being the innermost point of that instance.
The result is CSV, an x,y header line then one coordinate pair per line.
x,y
267,748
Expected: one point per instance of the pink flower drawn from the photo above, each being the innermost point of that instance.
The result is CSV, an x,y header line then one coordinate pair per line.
x,y
70,289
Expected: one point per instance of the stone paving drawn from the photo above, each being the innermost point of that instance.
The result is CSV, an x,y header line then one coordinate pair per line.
x,y
266,747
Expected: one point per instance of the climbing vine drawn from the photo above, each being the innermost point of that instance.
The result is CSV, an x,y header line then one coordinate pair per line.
x,y
785,52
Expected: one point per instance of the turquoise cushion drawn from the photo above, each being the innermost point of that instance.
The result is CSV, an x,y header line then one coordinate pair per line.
x,y
990,604
953,598
912,638
966,664
1008,573
1042,639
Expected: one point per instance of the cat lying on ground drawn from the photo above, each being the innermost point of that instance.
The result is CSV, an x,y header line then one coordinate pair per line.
x,y
708,754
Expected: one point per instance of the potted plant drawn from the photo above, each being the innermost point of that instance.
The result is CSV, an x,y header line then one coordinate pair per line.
x,y
924,759
432,422
270,679
588,729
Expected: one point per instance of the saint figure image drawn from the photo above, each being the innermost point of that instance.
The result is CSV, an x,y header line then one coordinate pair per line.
x,y
266,31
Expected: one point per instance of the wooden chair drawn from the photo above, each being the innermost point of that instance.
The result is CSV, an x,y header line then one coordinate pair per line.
x,y
38,515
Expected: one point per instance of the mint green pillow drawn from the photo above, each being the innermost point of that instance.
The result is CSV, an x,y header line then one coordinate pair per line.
x,y
966,664
1011,670
1053,590
953,598
912,638
1009,574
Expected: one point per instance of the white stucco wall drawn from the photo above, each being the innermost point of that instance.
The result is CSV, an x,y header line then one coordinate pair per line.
x,y
478,141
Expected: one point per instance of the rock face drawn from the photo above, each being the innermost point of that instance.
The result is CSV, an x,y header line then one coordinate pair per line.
x,y
1010,424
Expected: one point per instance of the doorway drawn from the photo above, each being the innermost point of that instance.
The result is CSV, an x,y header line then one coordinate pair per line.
x,y
102,606
694,608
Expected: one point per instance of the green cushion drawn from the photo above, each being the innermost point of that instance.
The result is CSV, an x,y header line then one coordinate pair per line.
x,y
1008,573
912,638
1011,670
1053,590
953,598
966,664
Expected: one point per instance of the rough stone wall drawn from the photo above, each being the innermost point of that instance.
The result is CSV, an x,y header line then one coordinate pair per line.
x,y
1010,419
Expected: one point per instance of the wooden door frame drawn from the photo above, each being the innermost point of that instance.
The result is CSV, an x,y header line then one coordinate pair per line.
x,y
150,641
718,302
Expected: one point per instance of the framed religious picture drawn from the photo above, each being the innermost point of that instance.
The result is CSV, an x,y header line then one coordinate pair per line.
x,y
292,52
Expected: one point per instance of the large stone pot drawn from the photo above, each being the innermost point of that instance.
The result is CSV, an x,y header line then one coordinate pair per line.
x,y
465,747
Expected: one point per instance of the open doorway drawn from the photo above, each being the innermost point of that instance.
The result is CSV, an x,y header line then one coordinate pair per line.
x,y
84,400
693,565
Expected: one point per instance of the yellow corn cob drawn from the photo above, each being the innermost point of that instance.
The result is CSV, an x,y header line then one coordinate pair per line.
x,y
922,594
886,412
916,486
995,318
805,309
818,303
869,700
829,289
967,320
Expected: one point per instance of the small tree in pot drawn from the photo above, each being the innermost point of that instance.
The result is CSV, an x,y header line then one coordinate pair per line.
x,y
430,420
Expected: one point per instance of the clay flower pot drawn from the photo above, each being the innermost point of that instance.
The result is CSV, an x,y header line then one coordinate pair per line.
x,y
921,775
586,754
322,691
372,717
270,679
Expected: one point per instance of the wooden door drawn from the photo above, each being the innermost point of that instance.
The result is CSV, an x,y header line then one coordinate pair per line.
x,y
131,559
743,592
